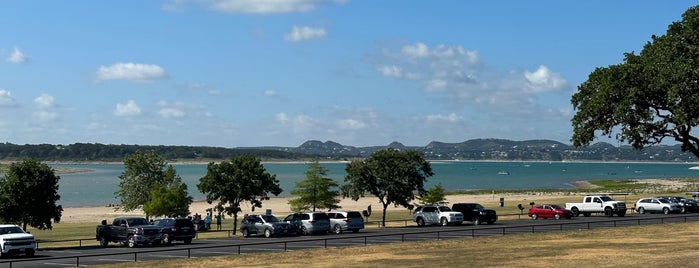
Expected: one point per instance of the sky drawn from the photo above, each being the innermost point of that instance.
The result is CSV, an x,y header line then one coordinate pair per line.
x,y
241,73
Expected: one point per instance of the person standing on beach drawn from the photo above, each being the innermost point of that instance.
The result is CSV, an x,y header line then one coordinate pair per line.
x,y
218,221
207,221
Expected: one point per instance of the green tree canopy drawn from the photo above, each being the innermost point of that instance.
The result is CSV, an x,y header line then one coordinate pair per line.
x,y
434,195
28,195
649,97
316,191
169,197
391,175
241,179
141,173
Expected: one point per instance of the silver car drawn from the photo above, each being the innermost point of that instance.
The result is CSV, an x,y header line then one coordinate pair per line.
x,y
657,205
341,221
266,225
310,222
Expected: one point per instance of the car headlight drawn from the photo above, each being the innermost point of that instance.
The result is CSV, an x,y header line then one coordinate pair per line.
x,y
482,213
138,231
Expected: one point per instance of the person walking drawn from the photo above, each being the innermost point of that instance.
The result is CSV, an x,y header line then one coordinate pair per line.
x,y
218,221
207,221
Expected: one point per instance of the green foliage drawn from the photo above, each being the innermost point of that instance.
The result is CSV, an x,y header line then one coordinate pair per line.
x,y
243,178
169,197
141,173
393,176
28,195
650,96
434,195
316,191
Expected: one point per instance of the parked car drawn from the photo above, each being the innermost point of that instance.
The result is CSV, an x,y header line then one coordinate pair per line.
x,y
266,225
309,222
549,211
688,205
476,213
341,221
657,205
176,229
14,240
436,214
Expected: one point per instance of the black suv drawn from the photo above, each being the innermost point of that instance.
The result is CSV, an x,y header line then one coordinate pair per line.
x,y
476,213
176,229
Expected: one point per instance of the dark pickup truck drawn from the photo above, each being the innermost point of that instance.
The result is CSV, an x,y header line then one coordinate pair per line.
x,y
131,231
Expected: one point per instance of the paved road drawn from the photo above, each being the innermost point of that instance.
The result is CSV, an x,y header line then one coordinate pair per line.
x,y
226,246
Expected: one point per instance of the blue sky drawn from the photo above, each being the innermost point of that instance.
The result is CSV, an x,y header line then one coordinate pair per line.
x,y
280,72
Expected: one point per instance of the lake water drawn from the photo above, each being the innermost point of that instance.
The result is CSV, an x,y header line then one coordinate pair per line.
x,y
97,187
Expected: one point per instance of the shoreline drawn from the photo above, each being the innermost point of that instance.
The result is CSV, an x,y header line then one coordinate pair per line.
x,y
279,205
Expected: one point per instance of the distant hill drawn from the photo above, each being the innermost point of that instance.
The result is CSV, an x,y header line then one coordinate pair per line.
x,y
476,149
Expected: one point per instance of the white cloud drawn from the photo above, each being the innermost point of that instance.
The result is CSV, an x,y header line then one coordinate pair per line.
x,y
171,113
390,71
270,93
130,71
265,6
44,101
304,33
45,116
171,110
299,124
544,79
6,99
451,118
17,56
128,109
352,124
416,51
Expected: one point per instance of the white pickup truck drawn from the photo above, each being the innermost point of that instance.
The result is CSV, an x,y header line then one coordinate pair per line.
x,y
13,240
598,204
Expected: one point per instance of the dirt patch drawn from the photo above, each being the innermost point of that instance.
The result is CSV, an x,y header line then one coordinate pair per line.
x,y
585,185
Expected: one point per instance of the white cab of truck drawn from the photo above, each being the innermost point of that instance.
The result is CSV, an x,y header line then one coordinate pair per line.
x,y
598,204
13,241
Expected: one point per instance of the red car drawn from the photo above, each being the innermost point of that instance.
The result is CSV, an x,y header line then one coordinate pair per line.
x,y
549,211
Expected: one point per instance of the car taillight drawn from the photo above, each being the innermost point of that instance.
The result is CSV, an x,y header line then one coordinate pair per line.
x,y
348,220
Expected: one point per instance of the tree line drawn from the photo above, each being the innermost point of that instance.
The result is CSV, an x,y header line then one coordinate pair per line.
x,y
395,177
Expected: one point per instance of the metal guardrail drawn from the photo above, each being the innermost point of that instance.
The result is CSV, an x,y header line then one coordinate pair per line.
x,y
472,232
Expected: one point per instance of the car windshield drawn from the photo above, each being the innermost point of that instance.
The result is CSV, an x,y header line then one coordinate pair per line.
x,y
663,200
606,198
270,218
444,209
479,206
556,207
134,222
11,230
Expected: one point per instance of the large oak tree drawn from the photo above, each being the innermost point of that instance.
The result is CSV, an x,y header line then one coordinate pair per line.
x,y
393,176
242,179
649,97
28,195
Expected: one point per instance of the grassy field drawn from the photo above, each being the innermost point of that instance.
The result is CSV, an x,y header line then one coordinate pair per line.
x,y
667,245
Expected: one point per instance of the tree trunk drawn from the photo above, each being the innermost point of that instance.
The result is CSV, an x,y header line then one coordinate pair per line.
x,y
235,223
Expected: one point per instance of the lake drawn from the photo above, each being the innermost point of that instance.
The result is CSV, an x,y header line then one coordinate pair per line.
x,y
97,187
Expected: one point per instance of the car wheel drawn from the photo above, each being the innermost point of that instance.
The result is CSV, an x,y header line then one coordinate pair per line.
x,y
268,233
608,212
187,241
166,239
131,241
476,221
103,242
641,210
534,216
337,229
683,210
557,216
304,230
420,222
666,211
575,211
30,252
444,221
245,233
